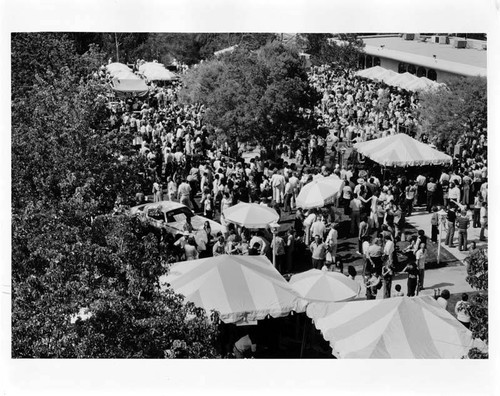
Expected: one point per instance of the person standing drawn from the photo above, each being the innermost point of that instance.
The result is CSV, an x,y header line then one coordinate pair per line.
x,y
410,193
462,224
308,221
290,249
387,273
184,193
421,189
332,241
157,191
412,271
364,230
431,194
483,220
462,310
278,246
373,283
374,256
355,206
318,250
434,224
318,227
451,218
420,257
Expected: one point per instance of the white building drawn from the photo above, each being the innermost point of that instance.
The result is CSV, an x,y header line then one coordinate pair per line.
x,y
434,57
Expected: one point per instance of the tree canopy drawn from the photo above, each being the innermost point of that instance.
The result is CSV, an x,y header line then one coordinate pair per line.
x,y
454,111
254,96
477,277
68,252
342,50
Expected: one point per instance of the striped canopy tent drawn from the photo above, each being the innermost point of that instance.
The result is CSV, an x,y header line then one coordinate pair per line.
x,y
150,65
125,75
400,80
243,289
116,67
153,71
130,86
322,285
406,80
320,192
393,328
251,215
401,150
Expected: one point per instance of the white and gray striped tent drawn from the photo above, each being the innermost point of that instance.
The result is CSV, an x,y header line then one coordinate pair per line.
x,y
243,289
398,328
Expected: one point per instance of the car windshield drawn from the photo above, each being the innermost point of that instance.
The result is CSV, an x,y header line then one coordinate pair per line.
x,y
179,214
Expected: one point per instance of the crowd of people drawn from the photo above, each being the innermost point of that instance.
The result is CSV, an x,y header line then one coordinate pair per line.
x,y
187,164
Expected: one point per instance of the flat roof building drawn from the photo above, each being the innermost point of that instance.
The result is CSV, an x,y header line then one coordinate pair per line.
x,y
434,57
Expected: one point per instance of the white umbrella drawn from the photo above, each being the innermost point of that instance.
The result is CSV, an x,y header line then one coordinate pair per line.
x,y
241,288
250,215
320,192
321,285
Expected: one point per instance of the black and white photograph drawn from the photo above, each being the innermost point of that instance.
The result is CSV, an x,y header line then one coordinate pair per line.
x,y
253,196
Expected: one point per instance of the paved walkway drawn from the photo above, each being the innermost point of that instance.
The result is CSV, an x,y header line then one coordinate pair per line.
x,y
451,277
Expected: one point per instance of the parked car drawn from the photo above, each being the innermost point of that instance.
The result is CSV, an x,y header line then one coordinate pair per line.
x,y
171,217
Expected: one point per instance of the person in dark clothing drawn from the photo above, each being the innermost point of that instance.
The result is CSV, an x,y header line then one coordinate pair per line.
x,y
451,218
434,224
412,271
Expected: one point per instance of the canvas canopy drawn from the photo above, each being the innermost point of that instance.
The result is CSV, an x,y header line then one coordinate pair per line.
x,y
242,289
320,192
125,75
115,67
322,285
158,74
397,328
406,80
401,150
134,86
251,215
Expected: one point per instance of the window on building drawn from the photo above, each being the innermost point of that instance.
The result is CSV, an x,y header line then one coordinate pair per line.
x,y
361,62
369,61
402,67
421,72
432,75
376,61
412,69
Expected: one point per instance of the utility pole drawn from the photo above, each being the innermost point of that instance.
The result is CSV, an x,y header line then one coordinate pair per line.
x,y
117,52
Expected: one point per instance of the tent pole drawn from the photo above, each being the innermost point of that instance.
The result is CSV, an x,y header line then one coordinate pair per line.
x,y
303,338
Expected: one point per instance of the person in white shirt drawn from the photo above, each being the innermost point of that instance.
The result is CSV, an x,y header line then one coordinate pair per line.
x,y
454,194
318,227
278,185
420,257
308,221
183,194
332,242
294,186
462,310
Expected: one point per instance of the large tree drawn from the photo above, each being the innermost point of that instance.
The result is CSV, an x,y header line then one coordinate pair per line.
x,y
477,277
342,50
68,253
455,110
254,96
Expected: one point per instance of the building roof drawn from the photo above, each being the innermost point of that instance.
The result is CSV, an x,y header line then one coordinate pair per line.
x,y
465,61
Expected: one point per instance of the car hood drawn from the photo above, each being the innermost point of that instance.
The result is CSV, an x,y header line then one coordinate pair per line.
x,y
198,222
